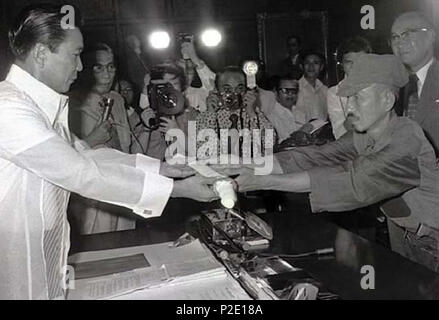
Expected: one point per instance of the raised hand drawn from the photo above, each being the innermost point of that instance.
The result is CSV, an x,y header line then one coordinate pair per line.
x,y
100,134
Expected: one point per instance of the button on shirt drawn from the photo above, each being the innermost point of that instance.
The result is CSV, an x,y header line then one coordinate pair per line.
x,y
40,162
284,120
356,171
422,75
312,100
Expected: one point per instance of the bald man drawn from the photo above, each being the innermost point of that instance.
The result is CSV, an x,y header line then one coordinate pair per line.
x,y
412,40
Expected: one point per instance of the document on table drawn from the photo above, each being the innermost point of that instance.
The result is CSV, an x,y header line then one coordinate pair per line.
x,y
163,265
219,287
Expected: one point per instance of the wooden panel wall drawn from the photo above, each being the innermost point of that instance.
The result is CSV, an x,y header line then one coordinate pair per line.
x,y
112,20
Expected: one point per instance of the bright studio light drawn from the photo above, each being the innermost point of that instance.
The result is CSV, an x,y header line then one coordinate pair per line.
x,y
250,68
159,39
211,37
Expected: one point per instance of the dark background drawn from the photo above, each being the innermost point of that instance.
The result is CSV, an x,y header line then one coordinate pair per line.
x,y
112,20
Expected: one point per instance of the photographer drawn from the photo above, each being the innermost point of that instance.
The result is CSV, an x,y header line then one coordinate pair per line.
x,y
232,106
192,65
165,102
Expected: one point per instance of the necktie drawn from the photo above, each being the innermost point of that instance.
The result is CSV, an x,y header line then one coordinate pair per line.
x,y
412,96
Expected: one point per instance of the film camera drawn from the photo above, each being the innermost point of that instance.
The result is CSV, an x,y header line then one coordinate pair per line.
x,y
184,37
165,100
228,100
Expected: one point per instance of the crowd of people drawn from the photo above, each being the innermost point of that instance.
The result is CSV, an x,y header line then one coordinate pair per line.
x,y
105,139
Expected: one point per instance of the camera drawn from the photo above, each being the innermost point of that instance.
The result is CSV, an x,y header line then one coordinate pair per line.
x,y
165,101
230,100
185,37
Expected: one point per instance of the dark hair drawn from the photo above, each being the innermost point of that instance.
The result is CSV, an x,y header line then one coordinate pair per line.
x,y
86,78
170,67
296,37
38,24
89,55
354,44
284,78
313,53
229,69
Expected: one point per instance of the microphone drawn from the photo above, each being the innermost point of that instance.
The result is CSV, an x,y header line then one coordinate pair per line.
x,y
234,126
234,119
108,106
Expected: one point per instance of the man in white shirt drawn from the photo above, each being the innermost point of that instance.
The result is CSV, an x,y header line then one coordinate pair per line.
x,y
280,107
41,162
312,92
337,106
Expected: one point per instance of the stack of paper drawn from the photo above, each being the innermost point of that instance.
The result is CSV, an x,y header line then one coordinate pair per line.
x,y
153,269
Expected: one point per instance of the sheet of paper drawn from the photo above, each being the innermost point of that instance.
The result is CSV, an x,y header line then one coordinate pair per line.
x,y
90,269
118,284
189,262
220,287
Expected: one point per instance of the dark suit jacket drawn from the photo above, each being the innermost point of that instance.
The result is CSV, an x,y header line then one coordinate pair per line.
x,y
286,67
427,117
428,109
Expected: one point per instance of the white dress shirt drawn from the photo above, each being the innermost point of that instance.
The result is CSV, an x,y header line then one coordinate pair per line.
x,y
312,100
39,159
422,75
284,121
337,111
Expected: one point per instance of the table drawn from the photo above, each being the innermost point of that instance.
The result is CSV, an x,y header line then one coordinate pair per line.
x,y
298,232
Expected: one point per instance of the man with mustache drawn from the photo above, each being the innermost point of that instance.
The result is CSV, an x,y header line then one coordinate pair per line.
x,y
384,157
280,107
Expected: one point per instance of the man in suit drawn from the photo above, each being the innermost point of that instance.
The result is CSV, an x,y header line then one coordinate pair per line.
x,y
412,41
292,64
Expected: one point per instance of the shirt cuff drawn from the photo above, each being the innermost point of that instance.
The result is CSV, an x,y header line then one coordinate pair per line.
x,y
144,101
156,192
328,190
147,164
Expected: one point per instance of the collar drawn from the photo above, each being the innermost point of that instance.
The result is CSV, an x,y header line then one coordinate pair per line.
x,y
422,73
305,82
47,99
366,144
281,108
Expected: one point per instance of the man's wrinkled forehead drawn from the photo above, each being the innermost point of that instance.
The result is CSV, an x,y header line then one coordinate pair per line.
x,y
409,21
290,84
232,79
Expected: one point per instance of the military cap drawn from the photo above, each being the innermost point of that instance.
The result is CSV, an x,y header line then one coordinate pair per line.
x,y
369,69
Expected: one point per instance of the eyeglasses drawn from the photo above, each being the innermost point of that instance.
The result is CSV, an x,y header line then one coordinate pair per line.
x,y
126,90
406,35
288,90
98,68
